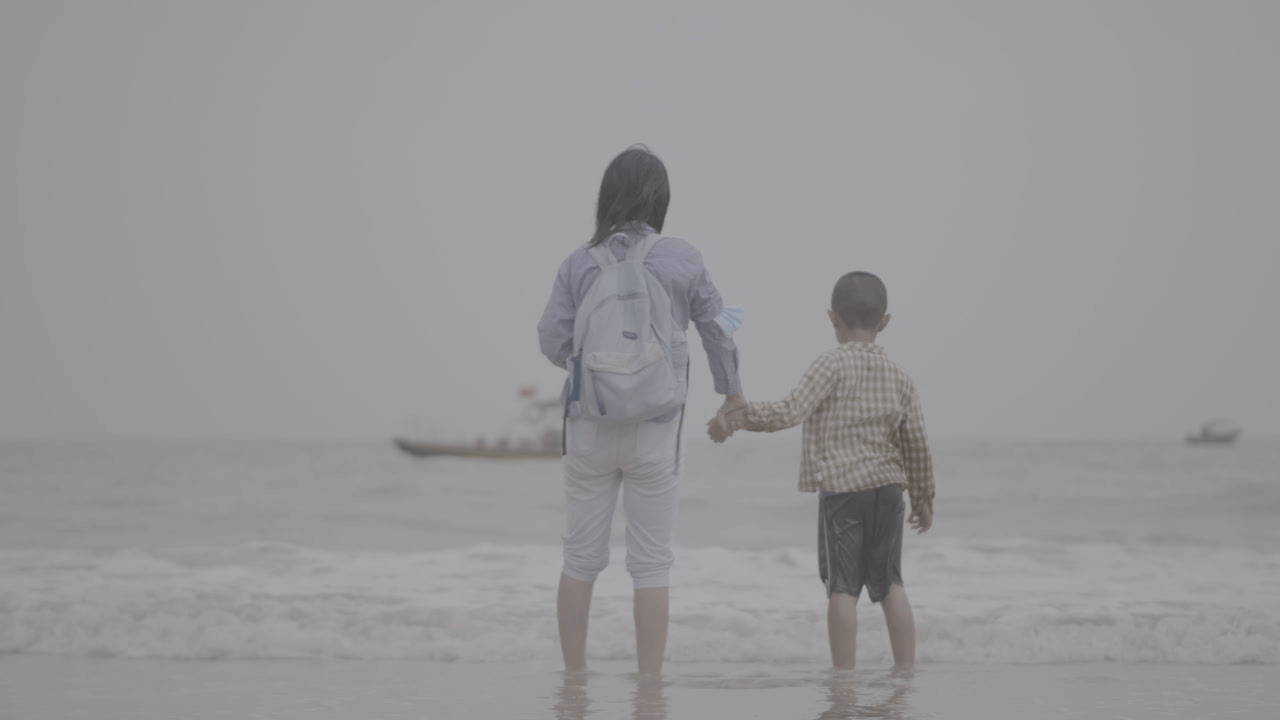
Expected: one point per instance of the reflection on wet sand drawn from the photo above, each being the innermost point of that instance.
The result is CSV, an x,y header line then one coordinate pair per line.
x,y
648,699
881,697
572,701
849,694
649,702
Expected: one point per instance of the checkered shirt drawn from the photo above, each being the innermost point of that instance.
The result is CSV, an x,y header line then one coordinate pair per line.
x,y
862,424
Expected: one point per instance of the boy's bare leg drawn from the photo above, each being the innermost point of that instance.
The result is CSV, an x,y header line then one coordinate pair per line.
x,y
573,608
842,629
902,626
651,610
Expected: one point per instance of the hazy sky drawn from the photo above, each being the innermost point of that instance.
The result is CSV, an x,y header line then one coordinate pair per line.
x,y
324,219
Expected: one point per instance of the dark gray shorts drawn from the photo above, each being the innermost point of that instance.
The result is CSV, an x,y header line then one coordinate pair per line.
x,y
860,540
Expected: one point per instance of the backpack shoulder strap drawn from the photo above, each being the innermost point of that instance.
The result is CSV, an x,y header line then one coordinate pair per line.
x,y
603,254
641,249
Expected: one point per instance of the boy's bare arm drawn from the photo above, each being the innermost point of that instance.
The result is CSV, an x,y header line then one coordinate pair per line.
x,y
921,520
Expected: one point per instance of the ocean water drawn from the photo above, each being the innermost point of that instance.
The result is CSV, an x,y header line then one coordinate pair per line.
x,y
1115,554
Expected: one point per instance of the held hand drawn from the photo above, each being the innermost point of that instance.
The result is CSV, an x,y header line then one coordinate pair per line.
x,y
719,428
735,419
922,519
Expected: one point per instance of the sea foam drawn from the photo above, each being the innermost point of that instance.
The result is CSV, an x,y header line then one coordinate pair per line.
x,y
987,601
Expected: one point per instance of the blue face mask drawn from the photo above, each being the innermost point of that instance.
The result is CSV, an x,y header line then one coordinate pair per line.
x,y
730,319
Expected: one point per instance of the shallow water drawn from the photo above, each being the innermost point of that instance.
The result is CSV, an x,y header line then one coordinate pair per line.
x,y
1140,565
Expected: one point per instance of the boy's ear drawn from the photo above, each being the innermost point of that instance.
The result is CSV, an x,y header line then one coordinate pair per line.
x,y
884,323
835,322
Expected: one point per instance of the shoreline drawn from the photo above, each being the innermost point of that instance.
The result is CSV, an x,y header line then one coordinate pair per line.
x,y
39,687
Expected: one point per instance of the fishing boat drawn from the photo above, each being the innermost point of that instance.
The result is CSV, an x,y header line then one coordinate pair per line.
x,y
1215,432
429,449
541,414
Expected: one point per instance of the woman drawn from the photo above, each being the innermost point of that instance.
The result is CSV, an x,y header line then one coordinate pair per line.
x,y
642,457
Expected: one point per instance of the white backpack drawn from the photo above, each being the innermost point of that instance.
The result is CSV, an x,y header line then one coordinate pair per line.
x,y
630,362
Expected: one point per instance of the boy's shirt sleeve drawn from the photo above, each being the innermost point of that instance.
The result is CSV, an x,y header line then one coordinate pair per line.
x,y
815,385
916,459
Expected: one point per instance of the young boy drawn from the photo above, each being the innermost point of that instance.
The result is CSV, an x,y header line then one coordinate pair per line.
x,y
863,442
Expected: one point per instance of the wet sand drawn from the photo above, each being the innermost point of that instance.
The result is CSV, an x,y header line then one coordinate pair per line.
x,y
35,687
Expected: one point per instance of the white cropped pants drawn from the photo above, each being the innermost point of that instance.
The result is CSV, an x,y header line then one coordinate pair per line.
x,y
642,459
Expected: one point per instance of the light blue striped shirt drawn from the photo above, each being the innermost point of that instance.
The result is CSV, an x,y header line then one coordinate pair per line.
x,y
678,266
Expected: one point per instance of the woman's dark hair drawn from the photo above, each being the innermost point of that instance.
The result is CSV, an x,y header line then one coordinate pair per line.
x,y
634,189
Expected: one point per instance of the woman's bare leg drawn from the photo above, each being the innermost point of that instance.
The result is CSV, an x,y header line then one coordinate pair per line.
x,y
651,609
573,608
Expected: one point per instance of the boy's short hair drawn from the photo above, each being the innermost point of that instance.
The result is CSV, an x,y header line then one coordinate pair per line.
x,y
860,299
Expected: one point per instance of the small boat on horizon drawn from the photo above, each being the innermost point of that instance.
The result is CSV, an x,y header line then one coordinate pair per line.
x,y
429,449
536,413
1215,432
